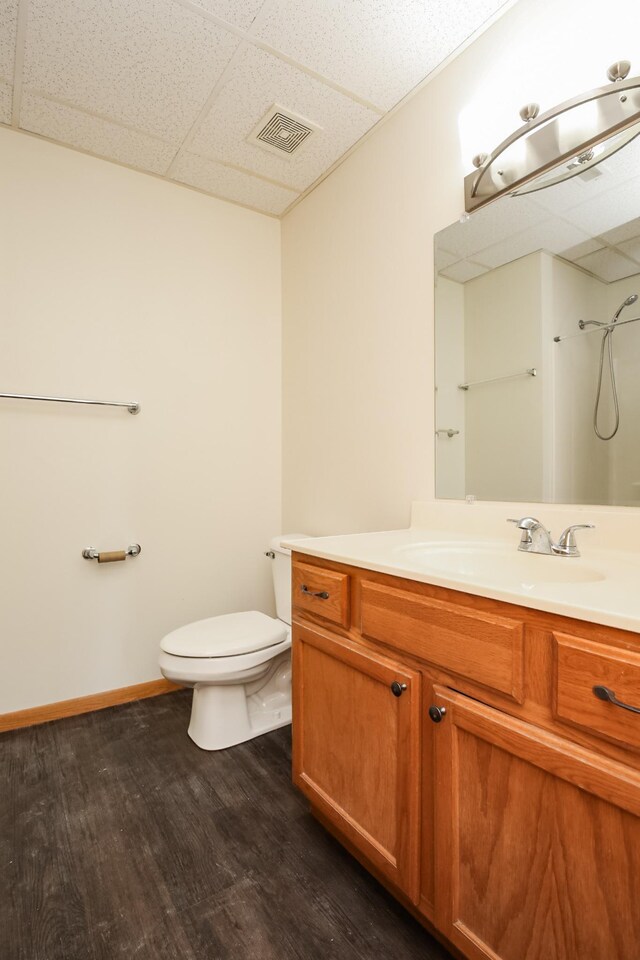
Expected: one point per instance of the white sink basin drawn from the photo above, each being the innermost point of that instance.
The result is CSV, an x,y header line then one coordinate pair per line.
x,y
496,562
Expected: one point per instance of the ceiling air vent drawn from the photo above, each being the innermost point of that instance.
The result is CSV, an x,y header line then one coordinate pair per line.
x,y
282,132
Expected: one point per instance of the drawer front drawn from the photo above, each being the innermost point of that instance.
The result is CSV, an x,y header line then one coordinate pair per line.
x,y
323,593
583,664
486,648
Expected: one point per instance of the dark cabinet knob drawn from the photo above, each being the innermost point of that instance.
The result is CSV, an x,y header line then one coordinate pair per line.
x,y
437,713
397,689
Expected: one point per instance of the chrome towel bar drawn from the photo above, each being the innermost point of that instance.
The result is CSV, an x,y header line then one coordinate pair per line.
x,y
531,372
132,406
585,333
110,556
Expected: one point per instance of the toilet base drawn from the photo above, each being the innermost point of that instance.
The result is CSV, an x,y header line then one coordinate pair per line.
x,y
223,715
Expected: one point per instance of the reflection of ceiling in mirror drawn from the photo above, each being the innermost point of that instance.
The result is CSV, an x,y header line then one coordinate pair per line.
x,y
594,223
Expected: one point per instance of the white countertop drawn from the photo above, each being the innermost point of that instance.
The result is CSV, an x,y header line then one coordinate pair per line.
x,y
609,594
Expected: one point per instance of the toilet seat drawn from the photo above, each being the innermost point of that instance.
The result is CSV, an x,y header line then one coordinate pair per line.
x,y
242,668
229,635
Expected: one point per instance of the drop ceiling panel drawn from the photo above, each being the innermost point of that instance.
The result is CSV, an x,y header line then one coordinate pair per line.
x,y
379,49
463,271
443,258
608,265
258,81
232,184
151,65
607,211
631,248
626,231
240,13
552,236
582,249
131,80
6,97
59,122
8,27
490,225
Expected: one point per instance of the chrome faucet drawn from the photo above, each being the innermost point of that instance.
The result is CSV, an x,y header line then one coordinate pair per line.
x,y
537,539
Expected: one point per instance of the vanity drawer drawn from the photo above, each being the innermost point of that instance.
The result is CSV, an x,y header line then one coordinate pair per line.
x,y
323,593
483,647
583,664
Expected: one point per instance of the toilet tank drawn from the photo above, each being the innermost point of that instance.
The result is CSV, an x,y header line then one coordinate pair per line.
x,y
282,574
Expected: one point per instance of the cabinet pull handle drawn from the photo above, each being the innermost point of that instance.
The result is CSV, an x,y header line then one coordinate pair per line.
x,y
397,689
321,594
604,693
437,713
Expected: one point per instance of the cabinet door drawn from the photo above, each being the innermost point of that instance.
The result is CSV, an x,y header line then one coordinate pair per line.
x,y
356,749
537,841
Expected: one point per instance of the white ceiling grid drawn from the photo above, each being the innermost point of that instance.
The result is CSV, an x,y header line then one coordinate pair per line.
x,y
175,87
379,49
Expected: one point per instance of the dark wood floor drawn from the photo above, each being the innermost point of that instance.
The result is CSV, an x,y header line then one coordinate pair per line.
x,y
120,839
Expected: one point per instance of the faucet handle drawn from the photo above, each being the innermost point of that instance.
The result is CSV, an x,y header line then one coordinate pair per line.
x,y
567,541
525,524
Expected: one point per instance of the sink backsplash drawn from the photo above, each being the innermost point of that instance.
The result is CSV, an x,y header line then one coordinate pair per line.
x,y
616,528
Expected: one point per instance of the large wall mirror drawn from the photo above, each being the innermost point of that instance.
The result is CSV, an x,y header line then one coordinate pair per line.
x,y
527,292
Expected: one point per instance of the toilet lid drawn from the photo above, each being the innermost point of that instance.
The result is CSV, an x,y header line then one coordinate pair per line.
x,y
227,636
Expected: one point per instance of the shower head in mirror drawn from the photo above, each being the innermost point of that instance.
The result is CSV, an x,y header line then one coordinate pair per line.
x,y
625,303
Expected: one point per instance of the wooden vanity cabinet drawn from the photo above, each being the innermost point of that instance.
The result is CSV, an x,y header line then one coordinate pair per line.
x,y
509,819
537,841
357,721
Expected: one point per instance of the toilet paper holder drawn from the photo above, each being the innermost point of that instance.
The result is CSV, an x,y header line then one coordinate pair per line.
x,y
110,556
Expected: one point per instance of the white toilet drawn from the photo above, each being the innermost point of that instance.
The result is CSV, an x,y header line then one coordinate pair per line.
x,y
238,664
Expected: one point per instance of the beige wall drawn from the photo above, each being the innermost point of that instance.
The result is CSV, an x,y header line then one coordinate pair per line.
x,y
450,400
580,460
504,420
357,255
357,328
116,285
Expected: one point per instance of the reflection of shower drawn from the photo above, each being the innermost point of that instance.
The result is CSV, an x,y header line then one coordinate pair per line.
x,y
607,340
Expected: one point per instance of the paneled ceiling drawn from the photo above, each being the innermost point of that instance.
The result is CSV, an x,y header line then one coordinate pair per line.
x,y
176,87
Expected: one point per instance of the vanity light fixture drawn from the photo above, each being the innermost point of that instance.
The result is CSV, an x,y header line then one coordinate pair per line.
x,y
566,141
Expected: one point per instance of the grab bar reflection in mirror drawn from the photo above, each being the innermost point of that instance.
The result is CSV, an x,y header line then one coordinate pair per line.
x,y
530,372
131,406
